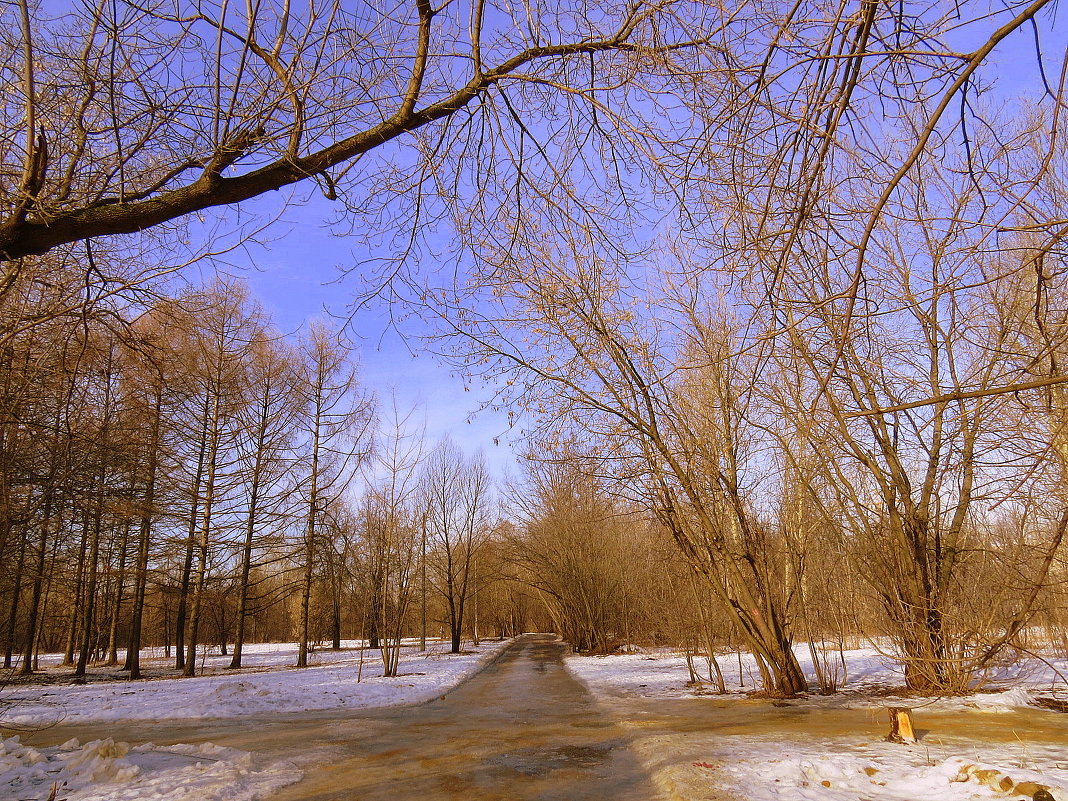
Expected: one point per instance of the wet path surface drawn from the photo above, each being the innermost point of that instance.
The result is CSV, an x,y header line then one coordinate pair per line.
x,y
521,729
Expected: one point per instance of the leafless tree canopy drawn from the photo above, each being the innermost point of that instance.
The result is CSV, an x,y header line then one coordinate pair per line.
x,y
121,116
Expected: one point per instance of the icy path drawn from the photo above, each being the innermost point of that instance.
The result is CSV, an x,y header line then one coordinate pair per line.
x,y
523,728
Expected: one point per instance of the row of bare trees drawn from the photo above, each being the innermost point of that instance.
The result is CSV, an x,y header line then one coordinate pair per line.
x,y
174,472
184,475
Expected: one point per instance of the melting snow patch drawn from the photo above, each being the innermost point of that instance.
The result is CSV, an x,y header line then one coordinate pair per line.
x,y
1001,702
883,773
104,770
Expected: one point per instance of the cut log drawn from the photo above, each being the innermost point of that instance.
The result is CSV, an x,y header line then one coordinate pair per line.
x,y
901,730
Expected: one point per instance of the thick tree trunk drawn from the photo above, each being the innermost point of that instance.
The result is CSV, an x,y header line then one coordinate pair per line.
x,y
422,585
335,622
205,539
258,465
305,598
89,606
38,585
79,591
190,543
133,643
310,530
246,569
35,601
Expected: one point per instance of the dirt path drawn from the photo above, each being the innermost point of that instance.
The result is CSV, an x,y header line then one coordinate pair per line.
x,y
521,729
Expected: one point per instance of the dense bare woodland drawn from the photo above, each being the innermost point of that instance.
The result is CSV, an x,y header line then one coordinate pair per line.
x,y
776,293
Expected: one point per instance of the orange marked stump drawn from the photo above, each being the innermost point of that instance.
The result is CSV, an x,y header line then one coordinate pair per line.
x,y
901,730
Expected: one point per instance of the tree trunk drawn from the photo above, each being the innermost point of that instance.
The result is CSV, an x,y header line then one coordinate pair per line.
x,y
246,569
205,539
305,594
422,585
38,584
116,608
89,606
76,606
190,543
13,609
133,647
310,530
259,458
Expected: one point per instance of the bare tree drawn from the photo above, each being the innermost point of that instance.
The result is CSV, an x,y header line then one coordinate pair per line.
x,y
392,528
269,425
146,369
109,133
335,423
659,397
215,333
455,499
909,481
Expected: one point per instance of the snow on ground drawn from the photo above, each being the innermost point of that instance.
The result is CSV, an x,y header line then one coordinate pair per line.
x,y
103,770
271,687
663,673
792,764
786,769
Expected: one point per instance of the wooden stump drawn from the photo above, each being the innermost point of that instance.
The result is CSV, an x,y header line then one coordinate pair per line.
x,y
901,730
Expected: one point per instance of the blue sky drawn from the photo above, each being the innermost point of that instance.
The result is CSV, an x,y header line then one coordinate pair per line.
x,y
294,272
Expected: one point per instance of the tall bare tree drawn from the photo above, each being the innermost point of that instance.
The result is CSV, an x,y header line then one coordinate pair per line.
x,y
455,498
335,424
219,328
392,531
658,395
268,421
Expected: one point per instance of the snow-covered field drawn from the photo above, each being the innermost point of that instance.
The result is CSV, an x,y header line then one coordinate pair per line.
x,y
809,763
271,686
104,769
663,674
881,771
